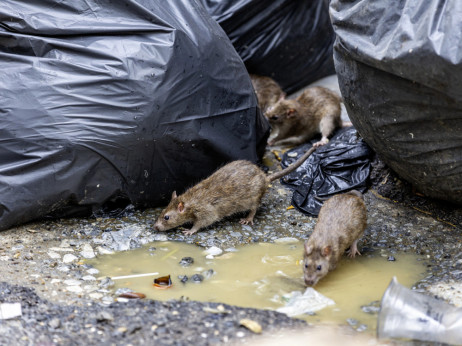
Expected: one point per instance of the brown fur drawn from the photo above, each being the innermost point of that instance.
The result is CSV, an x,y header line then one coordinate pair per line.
x,y
316,110
341,222
267,90
236,187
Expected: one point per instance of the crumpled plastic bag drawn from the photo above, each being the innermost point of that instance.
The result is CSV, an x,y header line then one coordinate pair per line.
x,y
337,167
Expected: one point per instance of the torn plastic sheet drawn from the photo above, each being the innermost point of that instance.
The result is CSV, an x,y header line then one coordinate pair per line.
x,y
107,103
288,40
310,301
337,167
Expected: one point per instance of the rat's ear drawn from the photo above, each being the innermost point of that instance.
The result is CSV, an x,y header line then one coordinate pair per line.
x,y
174,195
308,248
181,207
290,112
326,251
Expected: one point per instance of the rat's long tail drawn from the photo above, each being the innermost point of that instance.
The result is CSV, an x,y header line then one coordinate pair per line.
x,y
292,167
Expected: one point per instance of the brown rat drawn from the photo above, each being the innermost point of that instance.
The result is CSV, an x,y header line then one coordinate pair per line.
x,y
341,222
236,187
316,110
267,90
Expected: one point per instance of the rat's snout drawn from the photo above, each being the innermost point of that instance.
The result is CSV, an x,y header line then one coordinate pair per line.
x,y
310,282
158,227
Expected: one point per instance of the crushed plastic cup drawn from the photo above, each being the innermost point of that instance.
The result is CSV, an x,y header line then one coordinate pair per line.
x,y
411,315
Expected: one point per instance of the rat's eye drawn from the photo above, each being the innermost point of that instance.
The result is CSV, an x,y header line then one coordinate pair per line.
x,y
318,268
306,265
274,117
166,217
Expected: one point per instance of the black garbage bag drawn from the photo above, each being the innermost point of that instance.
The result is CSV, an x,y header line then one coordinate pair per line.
x,y
337,167
116,101
399,65
288,40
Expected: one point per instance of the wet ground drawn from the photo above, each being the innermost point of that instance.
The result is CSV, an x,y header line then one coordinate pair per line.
x,y
44,266
71,304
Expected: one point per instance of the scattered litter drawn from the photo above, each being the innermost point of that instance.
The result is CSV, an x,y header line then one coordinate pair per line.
x,y
10,310
163,282
308,302
251,325
214,251
411,315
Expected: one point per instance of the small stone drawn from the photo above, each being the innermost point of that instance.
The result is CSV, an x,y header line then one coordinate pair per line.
x,y
69,258
391,259
186,261
95,295
92,271
63,269
54,255
72,282
240,334
292,154
183,278
55,281
208,273
74,289
361,328
88,278
87,252
104,316
106,283
247,228
197,278
352,322
55,323
103,251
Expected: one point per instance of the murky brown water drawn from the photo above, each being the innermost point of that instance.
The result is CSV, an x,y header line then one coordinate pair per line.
x,y
258,275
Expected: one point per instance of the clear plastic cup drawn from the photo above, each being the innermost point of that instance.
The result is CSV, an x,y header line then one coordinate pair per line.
x,y
411,315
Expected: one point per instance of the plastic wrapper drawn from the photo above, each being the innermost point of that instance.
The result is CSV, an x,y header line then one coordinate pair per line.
x,y
106,103
288,40
399,70
337,167
308,302
410,315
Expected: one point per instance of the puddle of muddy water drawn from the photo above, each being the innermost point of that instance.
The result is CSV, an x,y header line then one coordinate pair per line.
x,y
258,275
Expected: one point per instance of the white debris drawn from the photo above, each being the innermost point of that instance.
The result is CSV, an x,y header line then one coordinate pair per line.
x,y
10,310
55,281
309,301
286,240
214,251
62,249
69,258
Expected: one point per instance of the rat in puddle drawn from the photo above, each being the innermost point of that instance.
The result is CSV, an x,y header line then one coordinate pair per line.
x,y
316,111
341,222
267,90
236,187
